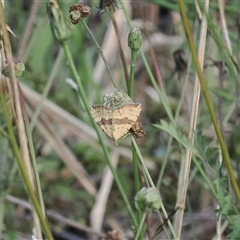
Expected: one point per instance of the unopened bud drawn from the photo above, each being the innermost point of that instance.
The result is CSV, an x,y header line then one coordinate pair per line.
x,y
60,27
135,39
148,198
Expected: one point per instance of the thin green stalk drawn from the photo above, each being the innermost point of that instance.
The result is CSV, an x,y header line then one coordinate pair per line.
x,y
140,227
22,169
186,164
134,43
60,31
163,99
208,100
100,51
2,211
123,58
150,182
85,103
136,185
149,179
46,90
161,94
135,170
132,71
30,127
169,144
126,13
23,155
204,176
34,165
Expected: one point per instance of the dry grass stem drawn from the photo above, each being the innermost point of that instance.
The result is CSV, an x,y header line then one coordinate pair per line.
x,y
185,164
19,110
27,33
56,216
122,55
221,5
98,210
110,48
57,143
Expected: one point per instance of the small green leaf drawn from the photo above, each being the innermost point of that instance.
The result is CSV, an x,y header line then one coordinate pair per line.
x,y
206,152
225,201
224,94
212,154
234,225
200,142
176,133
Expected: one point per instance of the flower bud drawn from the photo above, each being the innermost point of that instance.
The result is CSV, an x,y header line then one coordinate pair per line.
x,y
135,39
19,68
148,198
60,27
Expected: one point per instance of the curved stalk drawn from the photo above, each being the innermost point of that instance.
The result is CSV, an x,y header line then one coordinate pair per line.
x,y
208,100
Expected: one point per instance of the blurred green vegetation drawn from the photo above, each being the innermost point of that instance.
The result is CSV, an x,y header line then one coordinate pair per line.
x,y
61,190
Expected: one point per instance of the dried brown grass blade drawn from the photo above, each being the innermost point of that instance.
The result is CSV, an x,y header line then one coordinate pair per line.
x,y
18,106
45,128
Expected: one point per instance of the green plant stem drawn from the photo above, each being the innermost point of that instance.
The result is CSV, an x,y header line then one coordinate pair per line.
x,y
30,126
149,179
126,13
140,227
22,169
208,100
134,155
132,71
136,184
85,103
2,211
100,51
204,176
161,93
150,182
135,169
34,165
46,90
169,144
22,157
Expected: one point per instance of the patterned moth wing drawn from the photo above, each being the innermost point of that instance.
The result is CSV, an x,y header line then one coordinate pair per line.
x,y
116,123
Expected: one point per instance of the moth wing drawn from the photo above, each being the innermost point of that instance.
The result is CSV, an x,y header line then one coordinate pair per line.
x,y
124,118
103,117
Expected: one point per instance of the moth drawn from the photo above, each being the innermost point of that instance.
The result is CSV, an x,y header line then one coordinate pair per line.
x,y
116,122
